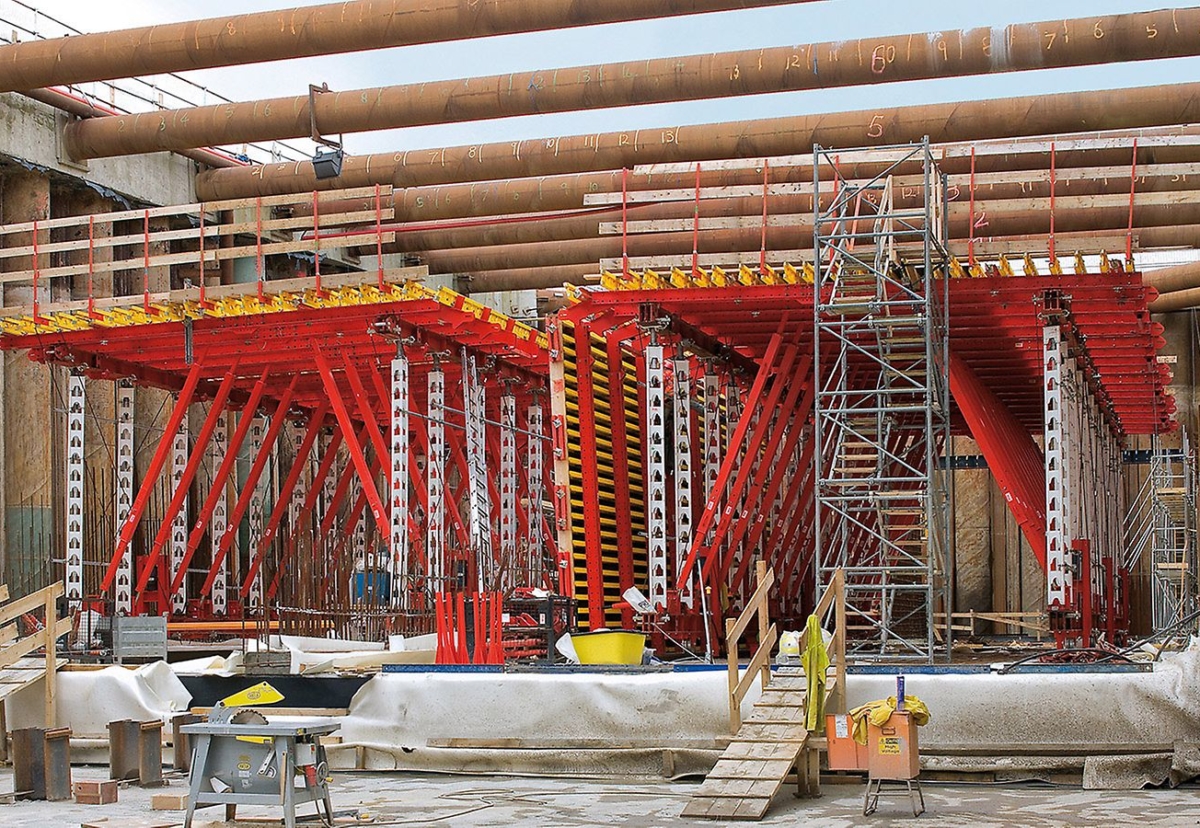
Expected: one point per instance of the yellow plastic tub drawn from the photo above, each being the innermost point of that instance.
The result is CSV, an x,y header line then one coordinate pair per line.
x,y
609,647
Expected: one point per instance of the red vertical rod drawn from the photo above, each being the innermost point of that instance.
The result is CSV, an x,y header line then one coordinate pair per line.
x,y
306,507
379,233
1132,193
217,490
247,494
284,498
971,229
730,460
696,228
156,558
259,265
202,288
317,241
151,477
356,452
36,274
762,252
1053,187
145,261
625,222
91,267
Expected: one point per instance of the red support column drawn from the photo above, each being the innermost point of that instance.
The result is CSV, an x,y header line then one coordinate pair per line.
x,y
247,494
217,491
156,557
284,498
620,457
156,463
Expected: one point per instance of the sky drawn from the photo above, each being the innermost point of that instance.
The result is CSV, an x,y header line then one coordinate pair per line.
x,y
778,26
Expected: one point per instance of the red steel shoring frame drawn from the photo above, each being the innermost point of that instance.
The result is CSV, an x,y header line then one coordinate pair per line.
x,y
764,467
734,495
217,489
754,521
727,463
156,558
151,476
356,452
278,418
328,458
1132,193
371,419
284,498
593,553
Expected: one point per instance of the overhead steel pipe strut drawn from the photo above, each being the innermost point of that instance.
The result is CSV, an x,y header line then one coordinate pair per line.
x,y
941,123
1128,37
332,28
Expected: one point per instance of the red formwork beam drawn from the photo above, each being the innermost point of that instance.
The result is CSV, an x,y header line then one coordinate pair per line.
x,y
247,494
283,498
589,461
620,457
138,508
155,560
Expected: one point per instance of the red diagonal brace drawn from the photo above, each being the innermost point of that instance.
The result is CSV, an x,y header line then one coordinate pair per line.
x,y
155,558
217,490
247,494
755,442
156,463
730,460
356,452
284,498
307,506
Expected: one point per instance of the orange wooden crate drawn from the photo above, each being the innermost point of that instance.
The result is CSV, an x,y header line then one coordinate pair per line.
x,y
892,751
844,752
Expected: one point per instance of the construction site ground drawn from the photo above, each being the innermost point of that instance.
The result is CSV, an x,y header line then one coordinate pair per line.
x,y
434,799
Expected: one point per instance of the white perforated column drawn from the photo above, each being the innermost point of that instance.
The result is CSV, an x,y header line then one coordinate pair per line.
x,y
508,490
398,513
683,473
179,527
435,478
1058,573
123,590
656,501
533,510
73,574
220,516
258,430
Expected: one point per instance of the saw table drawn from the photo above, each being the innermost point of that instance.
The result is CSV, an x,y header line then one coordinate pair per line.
x,y
257,763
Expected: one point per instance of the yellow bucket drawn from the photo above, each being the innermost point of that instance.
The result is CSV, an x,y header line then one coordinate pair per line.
x,y
609,647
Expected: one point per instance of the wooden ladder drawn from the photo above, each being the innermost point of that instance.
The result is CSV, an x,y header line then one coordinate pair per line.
x,y
773,741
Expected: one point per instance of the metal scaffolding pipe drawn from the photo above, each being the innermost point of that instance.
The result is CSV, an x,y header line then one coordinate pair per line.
x,y
305,31
979,51
942,123
1172,279
1176,300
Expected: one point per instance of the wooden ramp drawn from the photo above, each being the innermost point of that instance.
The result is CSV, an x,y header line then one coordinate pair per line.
x,y
765,750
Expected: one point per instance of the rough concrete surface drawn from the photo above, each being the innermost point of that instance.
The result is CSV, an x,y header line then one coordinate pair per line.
x,y
428,799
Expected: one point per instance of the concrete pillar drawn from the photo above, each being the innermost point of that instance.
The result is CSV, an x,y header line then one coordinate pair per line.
x,y
972,540
25,400
87,202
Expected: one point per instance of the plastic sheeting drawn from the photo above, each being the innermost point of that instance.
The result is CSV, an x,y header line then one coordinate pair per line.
x,y
89,699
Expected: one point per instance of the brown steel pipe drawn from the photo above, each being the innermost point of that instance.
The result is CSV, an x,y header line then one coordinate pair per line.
x,y
1173,279
332,28
942,123
1018,47
1176,300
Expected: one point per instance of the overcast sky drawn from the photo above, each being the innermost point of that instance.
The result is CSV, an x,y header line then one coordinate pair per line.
x,y
780,26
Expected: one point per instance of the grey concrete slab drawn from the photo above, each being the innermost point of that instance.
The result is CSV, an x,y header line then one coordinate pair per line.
x,y
428,799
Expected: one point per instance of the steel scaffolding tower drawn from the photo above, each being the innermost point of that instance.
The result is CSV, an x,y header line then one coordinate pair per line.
x,y
1163,521
882,403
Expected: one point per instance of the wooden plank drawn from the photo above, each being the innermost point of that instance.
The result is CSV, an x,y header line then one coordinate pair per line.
x,y
23,646
754,769
31,602
579,744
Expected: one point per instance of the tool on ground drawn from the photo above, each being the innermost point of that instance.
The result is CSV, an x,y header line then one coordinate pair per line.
x,y
240,758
